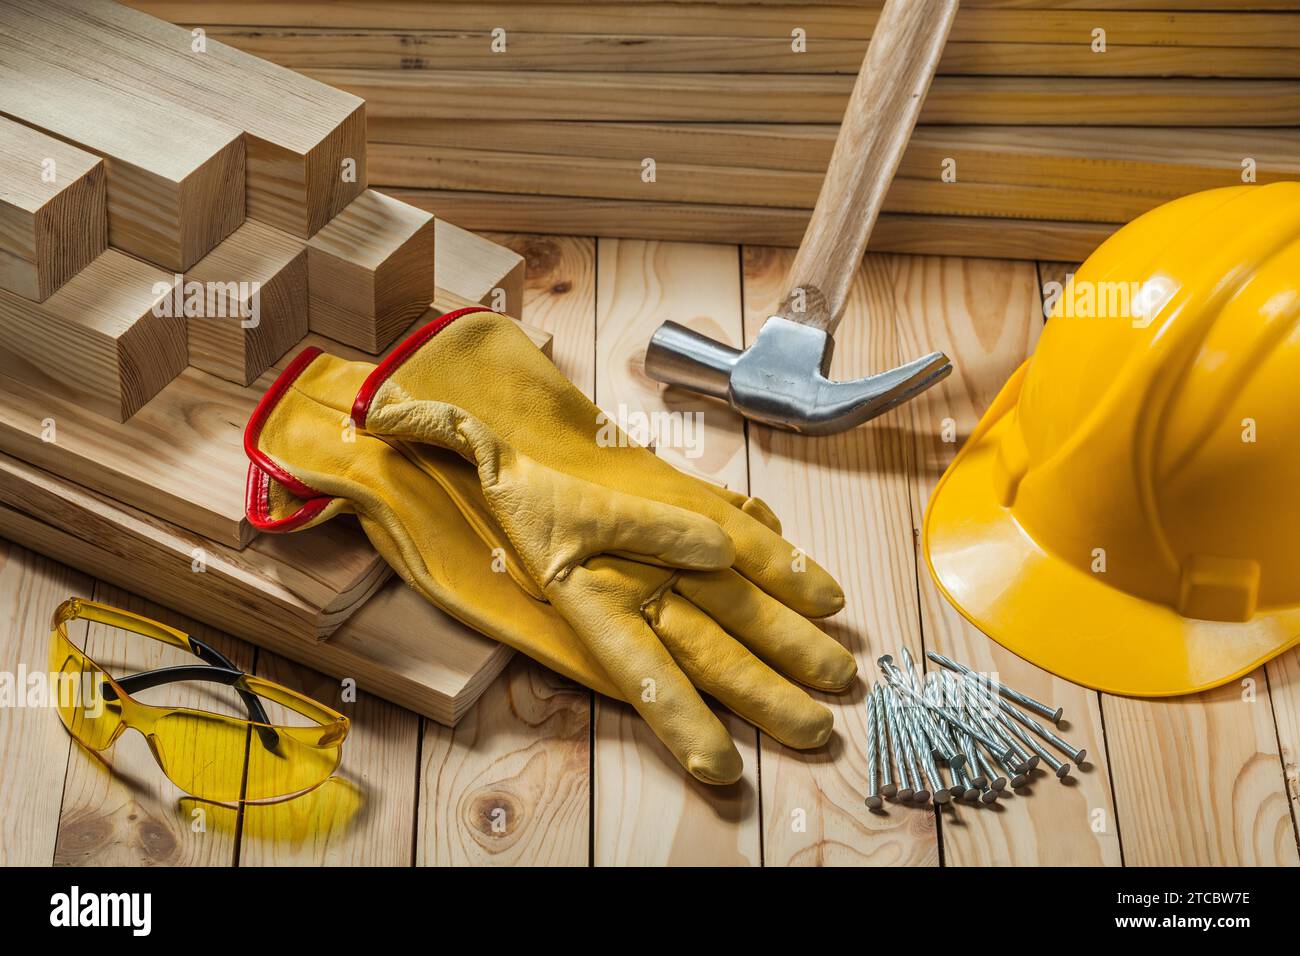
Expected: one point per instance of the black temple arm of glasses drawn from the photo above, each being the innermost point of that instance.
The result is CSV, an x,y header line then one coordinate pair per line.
x,y
215,671
210,655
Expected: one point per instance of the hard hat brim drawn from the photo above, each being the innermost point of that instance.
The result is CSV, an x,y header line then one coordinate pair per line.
x,y
1065,619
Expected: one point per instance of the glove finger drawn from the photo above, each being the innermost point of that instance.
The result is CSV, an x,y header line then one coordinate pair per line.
x,y
720,665
756,508
782,570
651,530
784,639
602,601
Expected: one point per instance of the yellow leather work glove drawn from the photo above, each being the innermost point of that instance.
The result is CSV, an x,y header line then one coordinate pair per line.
x,y
308,464
673,584
432,523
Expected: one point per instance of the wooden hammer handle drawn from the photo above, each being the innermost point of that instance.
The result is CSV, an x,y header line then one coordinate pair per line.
x,y
905,48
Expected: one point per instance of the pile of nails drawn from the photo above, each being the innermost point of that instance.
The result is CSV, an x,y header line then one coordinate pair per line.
x,y
963,720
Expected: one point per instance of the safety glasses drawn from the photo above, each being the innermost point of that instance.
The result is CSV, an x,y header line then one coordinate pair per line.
x,y
212,756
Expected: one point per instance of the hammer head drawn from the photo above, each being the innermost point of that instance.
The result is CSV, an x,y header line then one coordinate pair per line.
x,y
781,380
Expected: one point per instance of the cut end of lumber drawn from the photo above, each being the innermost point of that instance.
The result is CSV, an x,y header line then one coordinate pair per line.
x,y
371,271
53,220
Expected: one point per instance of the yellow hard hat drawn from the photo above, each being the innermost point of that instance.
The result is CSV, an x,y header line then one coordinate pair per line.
x,y
1127,512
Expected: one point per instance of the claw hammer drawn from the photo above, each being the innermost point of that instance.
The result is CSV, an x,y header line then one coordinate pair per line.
x,y
781,379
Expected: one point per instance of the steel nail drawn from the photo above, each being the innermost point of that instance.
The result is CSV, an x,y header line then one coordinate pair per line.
x,y
910,665
896,678
1051,713
906,773
873,747
921,792
996,780
940,793
979,706
886,747
1031,746
1060,769
949,751
1076,754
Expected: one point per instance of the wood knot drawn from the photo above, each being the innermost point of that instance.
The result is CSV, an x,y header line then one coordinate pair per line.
x,y
495,814
83,835
541,255
157,841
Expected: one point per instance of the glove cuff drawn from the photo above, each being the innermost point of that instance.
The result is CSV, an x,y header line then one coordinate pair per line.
x,y
385,369
263,471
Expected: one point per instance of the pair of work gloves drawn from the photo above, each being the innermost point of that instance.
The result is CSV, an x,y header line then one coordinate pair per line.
x,y
496,490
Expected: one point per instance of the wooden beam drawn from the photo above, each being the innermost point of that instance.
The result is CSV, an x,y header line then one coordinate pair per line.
x,y
52,211
371,271
254,288
1160,23
485,273
101,342
929,235
278,593
968,195
704,97
314,48
174,178
305,141
1120,158
294,589
181,456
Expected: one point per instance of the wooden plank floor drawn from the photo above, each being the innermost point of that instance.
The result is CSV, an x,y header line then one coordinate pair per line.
x,y
542,772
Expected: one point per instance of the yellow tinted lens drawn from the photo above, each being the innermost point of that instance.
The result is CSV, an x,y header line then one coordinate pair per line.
x,y
78,691
226,759
291,764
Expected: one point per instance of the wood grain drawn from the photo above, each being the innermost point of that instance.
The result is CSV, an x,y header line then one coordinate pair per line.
x,y
258,311
692,222
362,816
181,456
1284,694
33,743
536,174
174,177
1101,158
299,133
119,809
285,592
417,656
1236,24
307,48
371,271
647,811
813,811
52,211
782,98
99,342
511,784
476,269
986,316
1116,170
1220,746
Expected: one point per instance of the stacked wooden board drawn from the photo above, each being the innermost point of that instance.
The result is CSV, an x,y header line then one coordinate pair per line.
x,y
177,220
1051,122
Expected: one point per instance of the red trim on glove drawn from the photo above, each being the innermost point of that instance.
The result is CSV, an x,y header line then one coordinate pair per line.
x,y
262,469
366,395
257,504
